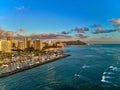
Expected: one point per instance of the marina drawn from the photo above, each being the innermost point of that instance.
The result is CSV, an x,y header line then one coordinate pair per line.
x,y
15,67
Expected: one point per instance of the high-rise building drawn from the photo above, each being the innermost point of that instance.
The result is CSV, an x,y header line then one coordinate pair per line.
x,y
5,46
30,43
15,44
38,44
10,39
26,39
21,45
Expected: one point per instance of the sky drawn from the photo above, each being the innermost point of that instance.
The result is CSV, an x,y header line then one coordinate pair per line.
x,y
87,20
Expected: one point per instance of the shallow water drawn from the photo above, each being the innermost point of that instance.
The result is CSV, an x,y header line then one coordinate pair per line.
x,y
95,67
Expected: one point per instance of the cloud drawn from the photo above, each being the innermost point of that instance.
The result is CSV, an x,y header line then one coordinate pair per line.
x,y
19,36
116,21
96,25
19,8
65,32
4,33
20,31
99,30
78,30
81,36
8,33
49,36
81,30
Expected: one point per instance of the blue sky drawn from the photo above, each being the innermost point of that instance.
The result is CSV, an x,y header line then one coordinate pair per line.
x,y
47,16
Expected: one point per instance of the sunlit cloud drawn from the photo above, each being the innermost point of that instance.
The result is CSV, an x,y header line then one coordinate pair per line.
x,y
116,21
49,36
76,30
99,30
81,30
5,33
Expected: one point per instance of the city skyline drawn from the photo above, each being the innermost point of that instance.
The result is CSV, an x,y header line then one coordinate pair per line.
x,y
88,20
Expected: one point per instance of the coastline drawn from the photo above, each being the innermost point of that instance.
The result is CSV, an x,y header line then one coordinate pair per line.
x,y
32,66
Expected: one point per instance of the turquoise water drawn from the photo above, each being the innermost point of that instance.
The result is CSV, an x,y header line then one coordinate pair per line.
x,y
95,67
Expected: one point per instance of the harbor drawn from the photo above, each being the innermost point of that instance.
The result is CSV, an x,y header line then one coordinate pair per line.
x,y
18,64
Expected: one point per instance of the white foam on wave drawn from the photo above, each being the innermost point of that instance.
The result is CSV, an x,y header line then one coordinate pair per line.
x,y
76,75
79,76
113,68
108,73
51,68
85,66
104,79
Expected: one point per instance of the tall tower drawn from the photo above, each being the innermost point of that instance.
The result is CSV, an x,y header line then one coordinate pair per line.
x,y
38,44
26,40
30,43
10,39
21,45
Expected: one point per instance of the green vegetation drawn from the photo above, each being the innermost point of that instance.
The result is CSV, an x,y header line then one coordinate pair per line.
x,y
76,42
31,49
48,47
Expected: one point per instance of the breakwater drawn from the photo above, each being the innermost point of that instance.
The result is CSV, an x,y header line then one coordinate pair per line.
x,y
32,66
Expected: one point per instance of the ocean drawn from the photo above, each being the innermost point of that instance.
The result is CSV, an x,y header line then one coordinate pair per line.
x,y
95,67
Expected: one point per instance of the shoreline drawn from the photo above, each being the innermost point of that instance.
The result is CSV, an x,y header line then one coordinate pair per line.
x,y
32,66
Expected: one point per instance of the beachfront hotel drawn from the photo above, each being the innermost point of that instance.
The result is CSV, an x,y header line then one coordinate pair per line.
x,y
21,45
38,44
5,46
26,40
9,44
